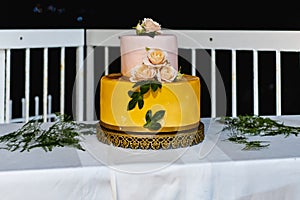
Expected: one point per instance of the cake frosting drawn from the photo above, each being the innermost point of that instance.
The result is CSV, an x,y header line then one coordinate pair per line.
x,y
180,100
150,103
134,49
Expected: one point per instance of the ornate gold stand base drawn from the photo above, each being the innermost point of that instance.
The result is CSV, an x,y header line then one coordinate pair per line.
x,y
163,140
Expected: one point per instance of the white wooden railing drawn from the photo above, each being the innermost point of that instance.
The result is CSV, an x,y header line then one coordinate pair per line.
x,y
97,49
49,116
26,39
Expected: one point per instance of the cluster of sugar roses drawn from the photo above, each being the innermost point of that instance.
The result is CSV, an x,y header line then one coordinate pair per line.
x,y
155,66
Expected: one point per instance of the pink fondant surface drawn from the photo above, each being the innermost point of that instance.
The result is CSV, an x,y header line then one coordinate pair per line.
x,y
133,49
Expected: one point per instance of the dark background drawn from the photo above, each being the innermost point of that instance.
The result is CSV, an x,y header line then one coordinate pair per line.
x,y
248,15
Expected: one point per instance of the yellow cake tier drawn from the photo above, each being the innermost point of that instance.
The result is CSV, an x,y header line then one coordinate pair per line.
x,y
180,100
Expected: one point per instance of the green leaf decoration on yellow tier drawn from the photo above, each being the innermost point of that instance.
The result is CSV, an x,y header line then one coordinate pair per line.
x,y
141,88
152,121
242,127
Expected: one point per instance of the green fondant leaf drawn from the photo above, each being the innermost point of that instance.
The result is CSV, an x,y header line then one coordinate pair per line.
x,y
140,103
148,116
139,83
154,87
151,121
131,104
147,125
159,84
133,94
130,93
154,126
158,115
144,88
151,34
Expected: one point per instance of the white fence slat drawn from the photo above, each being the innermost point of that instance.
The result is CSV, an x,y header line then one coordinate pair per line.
x,y
10,110
7,87
45,84
27,83
193,62
2,84
36,106
255,83
90,85
213,84
49,116
49,107
278,83
23,109
62,81
106,60
79,84
233,84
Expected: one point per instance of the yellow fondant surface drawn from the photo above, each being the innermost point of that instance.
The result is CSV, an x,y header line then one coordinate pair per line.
x,y
180,100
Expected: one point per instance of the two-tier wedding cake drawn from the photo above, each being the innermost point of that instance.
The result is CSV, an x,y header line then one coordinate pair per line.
x,y
150,104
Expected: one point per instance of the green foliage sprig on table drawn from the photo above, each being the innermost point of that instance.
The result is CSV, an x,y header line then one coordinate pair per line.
x,y
244,126
63,132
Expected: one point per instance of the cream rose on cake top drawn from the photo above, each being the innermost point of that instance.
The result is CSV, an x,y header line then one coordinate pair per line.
x,y
148,26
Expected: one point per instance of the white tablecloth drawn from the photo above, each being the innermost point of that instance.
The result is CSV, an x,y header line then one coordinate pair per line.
x,y
215,169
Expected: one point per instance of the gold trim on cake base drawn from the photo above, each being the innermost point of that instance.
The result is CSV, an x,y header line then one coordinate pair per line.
x,y
162,140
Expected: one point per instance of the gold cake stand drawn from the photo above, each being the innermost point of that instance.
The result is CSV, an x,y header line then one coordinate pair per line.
x,y
162,140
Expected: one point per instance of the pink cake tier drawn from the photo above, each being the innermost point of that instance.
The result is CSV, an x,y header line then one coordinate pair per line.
x,y
133,49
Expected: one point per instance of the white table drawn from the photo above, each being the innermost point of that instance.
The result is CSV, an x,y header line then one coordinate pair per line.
x,y
214,169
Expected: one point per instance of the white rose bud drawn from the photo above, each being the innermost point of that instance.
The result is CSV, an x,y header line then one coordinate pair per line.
x,y
139,29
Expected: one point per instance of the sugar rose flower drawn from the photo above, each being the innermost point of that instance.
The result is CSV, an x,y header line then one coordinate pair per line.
x,y
156,58
142,72
167,73
150,25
